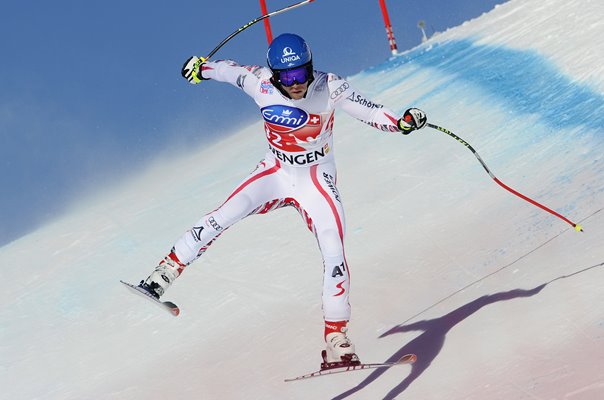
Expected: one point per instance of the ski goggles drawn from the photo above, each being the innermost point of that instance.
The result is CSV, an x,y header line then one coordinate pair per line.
x,y
289,77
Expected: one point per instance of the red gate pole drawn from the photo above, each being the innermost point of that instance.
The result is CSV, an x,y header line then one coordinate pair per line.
x,y
389,32
267,24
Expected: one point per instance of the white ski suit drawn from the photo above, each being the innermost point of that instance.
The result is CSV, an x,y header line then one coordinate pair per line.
x,y
298,170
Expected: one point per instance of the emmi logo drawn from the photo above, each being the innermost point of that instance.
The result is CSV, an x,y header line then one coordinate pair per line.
x,y
284,116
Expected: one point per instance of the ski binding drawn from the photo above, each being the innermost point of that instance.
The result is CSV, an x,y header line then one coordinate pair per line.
x,y
338,368
166,305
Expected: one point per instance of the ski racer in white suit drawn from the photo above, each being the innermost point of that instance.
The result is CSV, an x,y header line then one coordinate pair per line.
x,y
297,105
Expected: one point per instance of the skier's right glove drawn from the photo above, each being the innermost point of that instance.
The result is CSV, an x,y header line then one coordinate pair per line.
x,y
191,70
413,119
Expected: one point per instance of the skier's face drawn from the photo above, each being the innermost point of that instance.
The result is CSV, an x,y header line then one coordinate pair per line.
x,y
297,90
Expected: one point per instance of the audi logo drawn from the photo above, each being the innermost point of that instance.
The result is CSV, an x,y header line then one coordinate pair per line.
x,y
339,90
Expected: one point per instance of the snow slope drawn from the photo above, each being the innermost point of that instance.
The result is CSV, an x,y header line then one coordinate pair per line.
x,y
498,299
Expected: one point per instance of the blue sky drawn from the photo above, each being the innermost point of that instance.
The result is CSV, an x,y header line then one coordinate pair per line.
x,y
91,91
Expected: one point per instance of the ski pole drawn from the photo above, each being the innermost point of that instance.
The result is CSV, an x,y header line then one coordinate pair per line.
x,y
577,227
260,18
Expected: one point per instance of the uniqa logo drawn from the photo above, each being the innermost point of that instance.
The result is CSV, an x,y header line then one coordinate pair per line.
x,y
289,55
290,117
287,51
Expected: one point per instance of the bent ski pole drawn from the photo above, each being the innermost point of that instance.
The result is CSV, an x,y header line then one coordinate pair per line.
x,y
244,27
577,227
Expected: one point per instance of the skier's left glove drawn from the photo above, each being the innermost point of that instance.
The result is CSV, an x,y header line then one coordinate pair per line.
x,y
413,119
191,70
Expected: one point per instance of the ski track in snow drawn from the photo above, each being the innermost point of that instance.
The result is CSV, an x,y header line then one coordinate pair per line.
x,y
498,299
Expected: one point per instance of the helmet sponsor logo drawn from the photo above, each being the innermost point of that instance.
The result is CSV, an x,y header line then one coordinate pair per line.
x,y
289,55
287,51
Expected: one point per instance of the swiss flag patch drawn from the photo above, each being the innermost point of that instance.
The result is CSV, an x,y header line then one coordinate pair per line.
x,y
314,119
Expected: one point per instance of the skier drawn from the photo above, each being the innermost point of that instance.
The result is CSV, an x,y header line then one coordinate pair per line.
x,y
297,105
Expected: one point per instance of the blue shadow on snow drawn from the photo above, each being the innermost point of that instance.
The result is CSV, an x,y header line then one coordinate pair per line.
x,y
430,342
525,80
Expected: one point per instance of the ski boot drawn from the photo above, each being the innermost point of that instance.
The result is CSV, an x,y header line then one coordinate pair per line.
x,y
340,350
164,275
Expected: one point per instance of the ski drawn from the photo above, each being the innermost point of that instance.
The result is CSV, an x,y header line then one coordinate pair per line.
x,y
406,359
166,305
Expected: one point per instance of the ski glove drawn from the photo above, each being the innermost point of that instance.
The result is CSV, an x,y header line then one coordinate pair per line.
x,y
413,119
191,70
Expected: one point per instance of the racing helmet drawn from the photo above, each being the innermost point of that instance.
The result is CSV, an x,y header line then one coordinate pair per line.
x,y
290,59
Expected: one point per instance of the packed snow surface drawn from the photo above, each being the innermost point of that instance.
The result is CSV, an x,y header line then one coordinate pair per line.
x,y
498,298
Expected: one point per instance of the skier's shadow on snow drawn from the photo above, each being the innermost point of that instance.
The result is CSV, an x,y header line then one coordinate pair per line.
x,y
429,344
